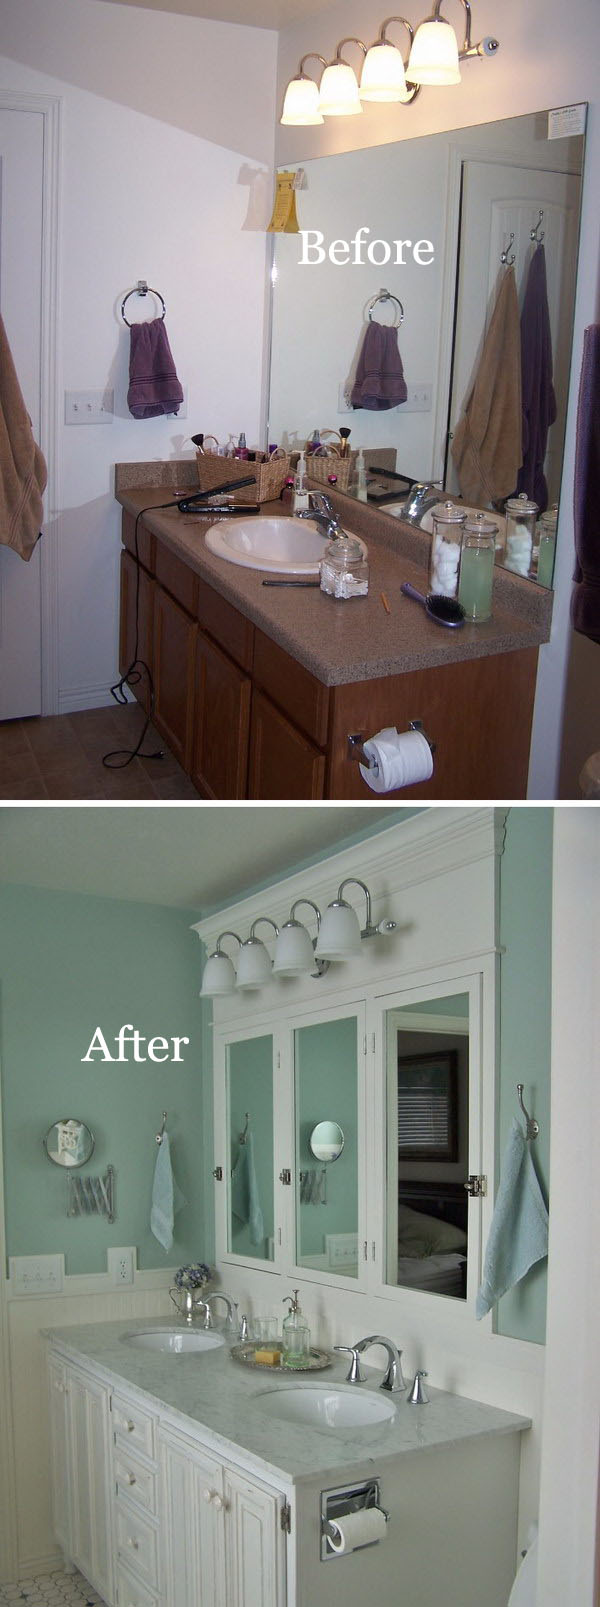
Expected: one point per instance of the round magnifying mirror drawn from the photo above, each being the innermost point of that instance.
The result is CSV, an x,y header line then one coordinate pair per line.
x,y
69,1142
326,1141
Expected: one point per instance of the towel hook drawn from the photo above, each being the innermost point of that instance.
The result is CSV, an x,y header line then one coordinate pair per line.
x,y
533,1127
141,289
533,233
159,1136
243,1136
508,261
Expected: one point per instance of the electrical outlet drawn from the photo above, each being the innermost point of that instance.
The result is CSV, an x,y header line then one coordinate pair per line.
x,y
36,1274
121,1265
89,407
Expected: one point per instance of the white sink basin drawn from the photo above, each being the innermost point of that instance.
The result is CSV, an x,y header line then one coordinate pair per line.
x,y
281,546
175,1341
322,1406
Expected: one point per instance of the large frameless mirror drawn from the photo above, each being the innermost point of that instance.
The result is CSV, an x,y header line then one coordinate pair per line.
x,y
250,1126
427,1079
473,194
326,1078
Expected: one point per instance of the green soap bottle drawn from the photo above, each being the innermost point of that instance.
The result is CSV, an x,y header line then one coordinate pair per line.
x,y
296,1334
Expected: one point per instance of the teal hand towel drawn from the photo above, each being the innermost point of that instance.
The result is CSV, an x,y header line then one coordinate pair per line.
x,y
245,1199
519,1232
167,1198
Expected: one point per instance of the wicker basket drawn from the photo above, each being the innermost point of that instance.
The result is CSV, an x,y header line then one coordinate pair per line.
x,y
268,477
319,467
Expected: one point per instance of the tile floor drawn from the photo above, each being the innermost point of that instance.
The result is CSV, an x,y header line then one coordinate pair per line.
x,y
51,1590
61,757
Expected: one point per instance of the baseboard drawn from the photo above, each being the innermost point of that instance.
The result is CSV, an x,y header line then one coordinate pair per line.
x,y
33,1567
73,699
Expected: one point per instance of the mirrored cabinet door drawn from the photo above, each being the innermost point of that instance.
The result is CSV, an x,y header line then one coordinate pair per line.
x,y
431,1134
249,1108
327,1055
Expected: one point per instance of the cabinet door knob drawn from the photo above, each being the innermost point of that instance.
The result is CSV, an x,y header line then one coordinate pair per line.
x,y
218,1502
131,1478
207,1495
131,1541
130,1426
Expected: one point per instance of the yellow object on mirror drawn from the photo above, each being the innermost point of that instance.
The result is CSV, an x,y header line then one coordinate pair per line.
x,y
284,219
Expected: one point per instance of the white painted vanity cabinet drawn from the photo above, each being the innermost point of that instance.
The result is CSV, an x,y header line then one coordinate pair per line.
x,y
151,1517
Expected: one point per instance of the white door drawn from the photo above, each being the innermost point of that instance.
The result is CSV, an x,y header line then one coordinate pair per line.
x,y
499,200
21,219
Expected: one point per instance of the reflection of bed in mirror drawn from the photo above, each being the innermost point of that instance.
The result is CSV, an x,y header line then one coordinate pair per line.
x,y
432,1238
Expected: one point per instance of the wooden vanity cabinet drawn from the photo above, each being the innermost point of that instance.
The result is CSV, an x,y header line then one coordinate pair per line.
x,y
246,720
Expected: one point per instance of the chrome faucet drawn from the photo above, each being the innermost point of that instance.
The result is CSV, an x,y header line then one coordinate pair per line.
x,y
392,1380
321,511
421,497
206,1304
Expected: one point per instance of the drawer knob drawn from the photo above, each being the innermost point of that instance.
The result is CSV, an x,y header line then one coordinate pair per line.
x,y
207,1495
218,1502
130,1426
131,1541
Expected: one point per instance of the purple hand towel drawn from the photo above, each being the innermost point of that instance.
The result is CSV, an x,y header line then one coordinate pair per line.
x,y
153,384
539,402
379,383
585,601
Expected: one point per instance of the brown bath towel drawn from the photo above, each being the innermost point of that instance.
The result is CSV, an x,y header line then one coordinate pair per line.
x,y
23,472
486,448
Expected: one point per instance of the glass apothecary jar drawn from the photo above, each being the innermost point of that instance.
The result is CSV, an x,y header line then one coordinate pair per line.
x,y
547,545
521,514
477,559
344,569
447,526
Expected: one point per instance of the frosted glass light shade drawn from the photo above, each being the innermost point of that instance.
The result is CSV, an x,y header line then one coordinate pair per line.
x,y
339,95
383,77
218,976
434,55
301,103
339,934
254,965
294,954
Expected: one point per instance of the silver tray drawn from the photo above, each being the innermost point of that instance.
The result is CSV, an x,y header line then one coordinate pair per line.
x,y
317,1361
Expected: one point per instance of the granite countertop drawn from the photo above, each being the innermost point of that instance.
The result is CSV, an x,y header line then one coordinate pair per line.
x,y
341,642
217,1394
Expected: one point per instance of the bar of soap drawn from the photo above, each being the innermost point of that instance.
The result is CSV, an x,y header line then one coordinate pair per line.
x,y
267,1356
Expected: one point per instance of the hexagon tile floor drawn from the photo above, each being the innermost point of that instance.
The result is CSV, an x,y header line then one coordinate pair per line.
x,y
51,1590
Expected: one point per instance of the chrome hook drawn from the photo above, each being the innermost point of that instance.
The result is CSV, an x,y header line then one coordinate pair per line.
x,y
533,1127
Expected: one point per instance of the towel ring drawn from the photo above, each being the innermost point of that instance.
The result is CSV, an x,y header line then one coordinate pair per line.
x,y
141,289
386,295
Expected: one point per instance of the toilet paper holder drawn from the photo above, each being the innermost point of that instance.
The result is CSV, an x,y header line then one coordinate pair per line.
x,y
356,740
338,1503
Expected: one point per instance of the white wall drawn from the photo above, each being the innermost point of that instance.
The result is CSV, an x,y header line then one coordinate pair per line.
x,y
545,59
157,166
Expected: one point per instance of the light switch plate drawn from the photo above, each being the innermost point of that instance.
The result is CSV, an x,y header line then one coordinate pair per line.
x,y
89,407
36,1274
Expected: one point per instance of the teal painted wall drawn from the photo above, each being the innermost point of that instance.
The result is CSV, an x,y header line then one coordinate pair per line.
x,y
68,964
525,1037
250,1088
327,1090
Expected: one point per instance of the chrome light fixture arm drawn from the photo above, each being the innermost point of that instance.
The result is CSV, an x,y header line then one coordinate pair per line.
x,y
265,919
369,930
218,950
311,55
486,47
382,39
321,966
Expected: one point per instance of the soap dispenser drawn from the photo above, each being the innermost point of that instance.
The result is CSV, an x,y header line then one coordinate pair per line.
x,y
301,498
296,1334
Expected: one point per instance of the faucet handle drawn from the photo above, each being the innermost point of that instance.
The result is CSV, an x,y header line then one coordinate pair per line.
x,y
418,1396
355,1374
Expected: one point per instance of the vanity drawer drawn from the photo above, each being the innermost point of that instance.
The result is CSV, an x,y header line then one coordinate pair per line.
x,y
133,1480
137,1544
130,1593
132,1424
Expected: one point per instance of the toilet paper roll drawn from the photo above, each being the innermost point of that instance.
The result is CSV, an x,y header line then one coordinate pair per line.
x,y
356,1529
396,759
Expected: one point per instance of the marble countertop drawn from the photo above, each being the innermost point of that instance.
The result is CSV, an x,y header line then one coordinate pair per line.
x,y
212,1392
342,642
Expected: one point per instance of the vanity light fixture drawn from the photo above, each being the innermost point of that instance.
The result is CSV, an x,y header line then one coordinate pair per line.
x,y
295,948
383,76
219,976
301,102
254,962
434,60
340,934
339,95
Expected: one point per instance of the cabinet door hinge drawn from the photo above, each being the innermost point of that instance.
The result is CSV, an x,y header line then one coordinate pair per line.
x,y
218,1174
285,1517
476,1186
285,1176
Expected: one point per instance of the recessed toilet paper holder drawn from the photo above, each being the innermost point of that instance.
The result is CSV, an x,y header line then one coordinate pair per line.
x,y
338,1503
356,740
